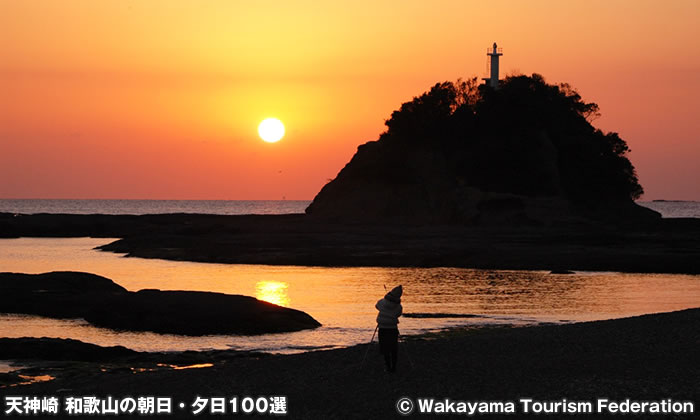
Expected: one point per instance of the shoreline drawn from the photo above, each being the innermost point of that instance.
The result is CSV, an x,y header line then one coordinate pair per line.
x,y
664,246
642,358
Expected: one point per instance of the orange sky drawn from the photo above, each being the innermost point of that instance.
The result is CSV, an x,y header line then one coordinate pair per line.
x,y
161,99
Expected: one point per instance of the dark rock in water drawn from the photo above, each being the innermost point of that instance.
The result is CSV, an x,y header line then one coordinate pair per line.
x,y
59,349
525,154
198,313
105,304
62,294
58,282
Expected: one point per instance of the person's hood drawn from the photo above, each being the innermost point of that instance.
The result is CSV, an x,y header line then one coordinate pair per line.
x,y
394,294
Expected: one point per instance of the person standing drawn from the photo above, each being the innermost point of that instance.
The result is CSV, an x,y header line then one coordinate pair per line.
x,y
390,310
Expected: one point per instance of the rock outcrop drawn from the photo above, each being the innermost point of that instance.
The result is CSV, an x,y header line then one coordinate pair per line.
x,y
103,303
525,154
31,348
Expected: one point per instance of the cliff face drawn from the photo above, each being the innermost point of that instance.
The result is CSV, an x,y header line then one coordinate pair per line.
x,y
524,154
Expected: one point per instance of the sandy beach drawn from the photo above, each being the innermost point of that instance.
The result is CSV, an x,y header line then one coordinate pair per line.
x,y
640,358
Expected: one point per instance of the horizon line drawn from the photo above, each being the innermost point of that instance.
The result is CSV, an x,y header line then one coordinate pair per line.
x,y
163,199
260,199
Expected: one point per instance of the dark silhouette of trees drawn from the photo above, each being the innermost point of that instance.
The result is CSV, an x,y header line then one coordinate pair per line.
x,y
527,137
523,154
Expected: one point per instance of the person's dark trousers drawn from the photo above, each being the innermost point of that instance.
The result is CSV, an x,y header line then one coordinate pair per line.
x,y
389,346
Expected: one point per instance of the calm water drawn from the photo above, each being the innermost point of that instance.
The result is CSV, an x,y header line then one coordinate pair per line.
x,y
674,208
153,206
666,208
342,299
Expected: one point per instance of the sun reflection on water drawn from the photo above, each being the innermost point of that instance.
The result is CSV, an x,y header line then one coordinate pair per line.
x,y
340,298
273,292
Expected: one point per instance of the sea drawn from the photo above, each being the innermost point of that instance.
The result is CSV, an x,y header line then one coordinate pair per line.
x,y
667,208
224,207
341,298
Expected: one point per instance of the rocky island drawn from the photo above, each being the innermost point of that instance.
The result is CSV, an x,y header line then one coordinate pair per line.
x,y
523,154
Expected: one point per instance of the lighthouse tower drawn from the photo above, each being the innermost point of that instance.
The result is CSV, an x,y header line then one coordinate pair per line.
x,y
493,52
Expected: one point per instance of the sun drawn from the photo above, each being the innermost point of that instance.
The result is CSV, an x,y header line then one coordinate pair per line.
x,y
271,130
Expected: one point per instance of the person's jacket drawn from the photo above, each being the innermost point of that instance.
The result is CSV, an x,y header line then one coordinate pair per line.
x,y
389,313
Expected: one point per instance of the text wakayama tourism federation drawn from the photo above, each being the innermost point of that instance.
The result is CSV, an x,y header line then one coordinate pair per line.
x,y
531,406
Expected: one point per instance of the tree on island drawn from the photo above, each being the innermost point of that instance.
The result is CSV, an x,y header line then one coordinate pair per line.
x,y
462,152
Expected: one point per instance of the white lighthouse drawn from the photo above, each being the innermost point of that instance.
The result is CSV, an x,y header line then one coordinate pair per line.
x,y
493,52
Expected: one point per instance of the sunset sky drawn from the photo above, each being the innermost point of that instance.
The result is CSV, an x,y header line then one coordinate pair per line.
x,y
162,99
